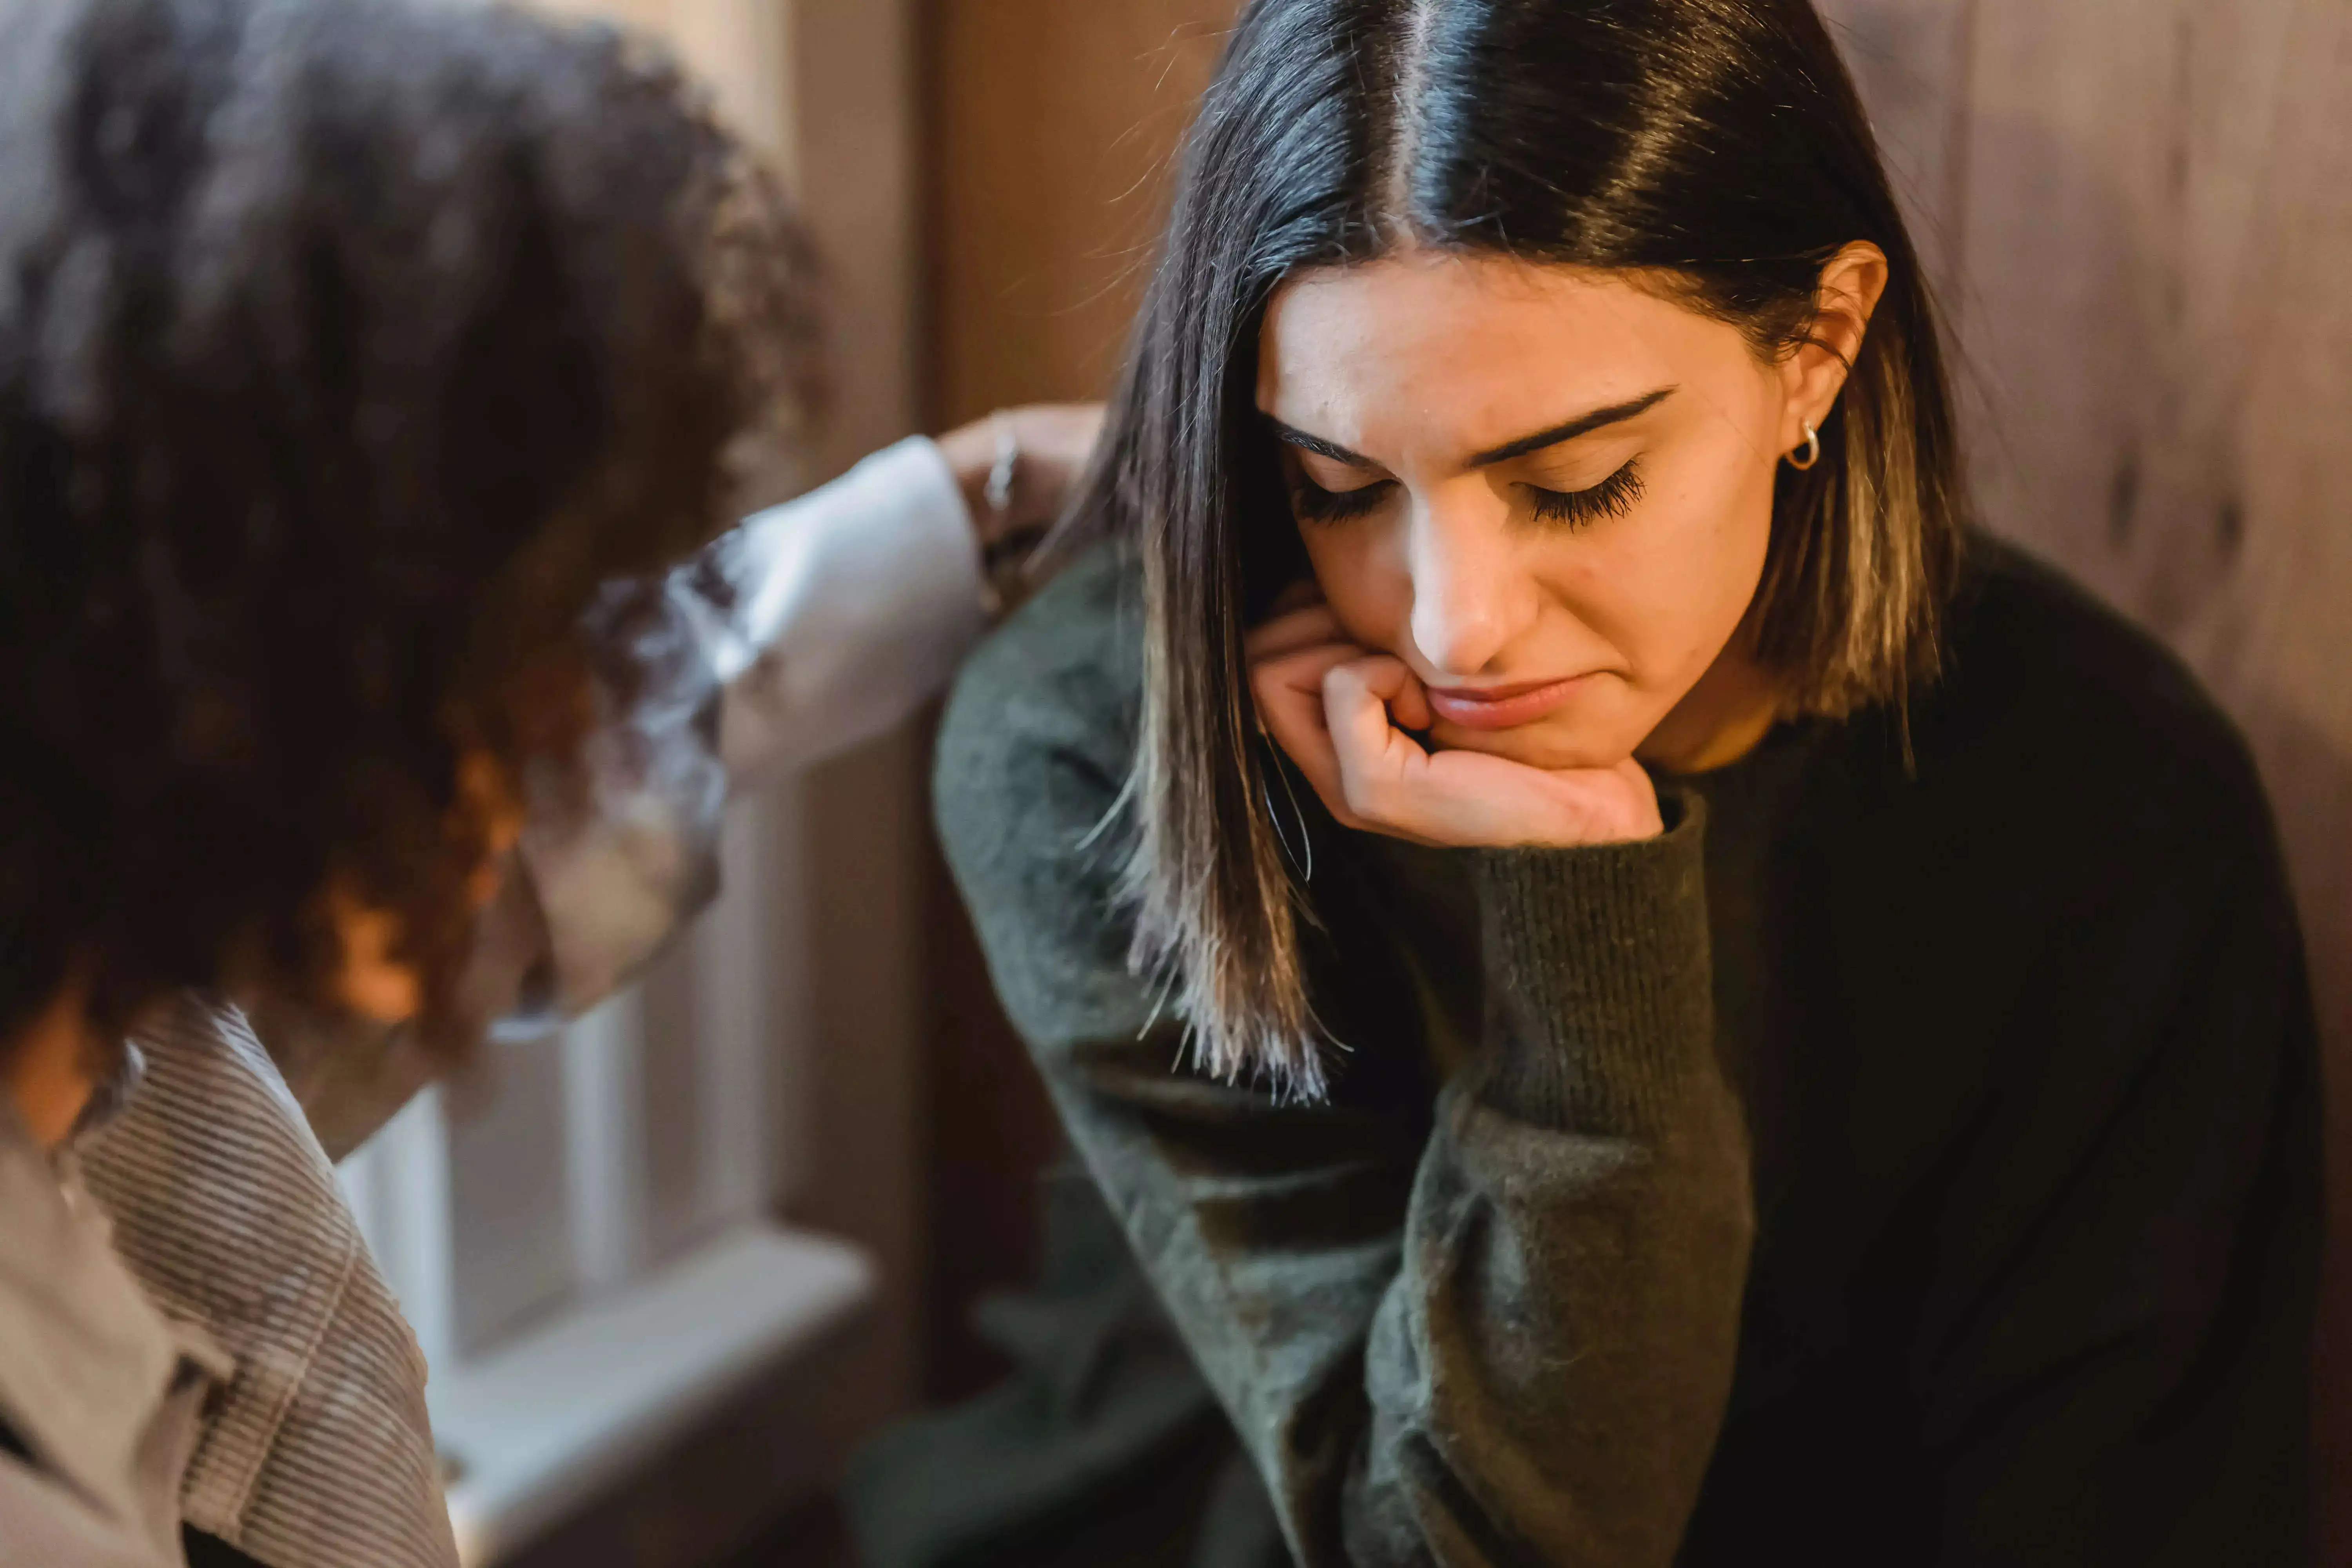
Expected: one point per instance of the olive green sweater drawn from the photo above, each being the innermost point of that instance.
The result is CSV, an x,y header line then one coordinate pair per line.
x,y
2018,1267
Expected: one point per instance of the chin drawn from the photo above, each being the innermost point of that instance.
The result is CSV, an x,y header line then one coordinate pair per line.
x,y
1551,745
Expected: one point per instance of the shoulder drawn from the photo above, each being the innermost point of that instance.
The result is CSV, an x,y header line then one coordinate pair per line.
x,y
1061,680
2050,694
1033,759
1041,725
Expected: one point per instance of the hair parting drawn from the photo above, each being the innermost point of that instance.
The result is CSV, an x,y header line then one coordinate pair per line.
x,y
1712,150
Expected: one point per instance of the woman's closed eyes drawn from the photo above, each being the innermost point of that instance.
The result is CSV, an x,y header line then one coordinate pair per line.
x,y
1313,503
1613,497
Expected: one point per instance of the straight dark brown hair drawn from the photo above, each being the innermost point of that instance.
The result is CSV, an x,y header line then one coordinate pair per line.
x,y
1714,149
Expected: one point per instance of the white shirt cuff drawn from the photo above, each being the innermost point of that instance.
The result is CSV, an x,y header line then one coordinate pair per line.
x,y
855,603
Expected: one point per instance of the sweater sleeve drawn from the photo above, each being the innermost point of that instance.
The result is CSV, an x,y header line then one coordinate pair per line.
x,y
1510,1341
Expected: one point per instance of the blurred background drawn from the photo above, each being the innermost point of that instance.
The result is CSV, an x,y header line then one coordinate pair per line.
x,y
704,1242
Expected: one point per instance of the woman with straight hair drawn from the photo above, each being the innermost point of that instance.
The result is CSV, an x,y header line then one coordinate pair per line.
x,y
1640,991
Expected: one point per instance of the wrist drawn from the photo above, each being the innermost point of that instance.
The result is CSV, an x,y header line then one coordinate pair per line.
x,y
1598,970
1632,821
1601,807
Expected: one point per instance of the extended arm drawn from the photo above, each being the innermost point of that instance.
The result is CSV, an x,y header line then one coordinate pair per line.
x,y
812,627
808,628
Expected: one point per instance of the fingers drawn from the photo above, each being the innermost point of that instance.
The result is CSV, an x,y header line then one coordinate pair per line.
x,y
1409,704
1342,715
1291,631
1387,782
1393,682
1327,706
1059,436
1290,686
1288,691
1372,756
1297,596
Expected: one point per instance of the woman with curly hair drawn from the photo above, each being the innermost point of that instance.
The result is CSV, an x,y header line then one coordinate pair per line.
x,y
375,382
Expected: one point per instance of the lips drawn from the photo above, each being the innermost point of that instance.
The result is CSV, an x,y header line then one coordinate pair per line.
x,y
1502,707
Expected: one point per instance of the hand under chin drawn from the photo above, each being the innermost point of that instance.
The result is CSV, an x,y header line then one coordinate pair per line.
x,y
1552,745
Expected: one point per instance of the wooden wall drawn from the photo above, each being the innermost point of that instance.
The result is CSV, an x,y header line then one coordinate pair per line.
x,y
2139,213
2140,216
1052,124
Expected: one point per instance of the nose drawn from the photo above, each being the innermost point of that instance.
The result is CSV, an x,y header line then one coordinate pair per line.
x,y
1471,595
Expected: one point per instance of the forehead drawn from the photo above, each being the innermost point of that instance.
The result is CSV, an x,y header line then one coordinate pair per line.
x,y
1475,346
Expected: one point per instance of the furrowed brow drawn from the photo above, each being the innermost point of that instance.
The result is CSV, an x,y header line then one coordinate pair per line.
x,y
1314,444
1568,430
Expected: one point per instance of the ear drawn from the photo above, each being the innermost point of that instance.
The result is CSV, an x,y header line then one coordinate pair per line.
x,y
1852,283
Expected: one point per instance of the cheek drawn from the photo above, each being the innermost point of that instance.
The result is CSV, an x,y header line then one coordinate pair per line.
x,y
1742,535
1674,593
1363,579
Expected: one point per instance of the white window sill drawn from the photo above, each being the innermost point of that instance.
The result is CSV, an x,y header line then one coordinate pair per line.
x,y
537,1428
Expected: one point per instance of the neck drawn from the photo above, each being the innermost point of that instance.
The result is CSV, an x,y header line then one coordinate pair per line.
x,y
1722,719
44,1067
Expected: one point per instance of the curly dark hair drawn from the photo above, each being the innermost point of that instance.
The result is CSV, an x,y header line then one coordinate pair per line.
x,y
346,347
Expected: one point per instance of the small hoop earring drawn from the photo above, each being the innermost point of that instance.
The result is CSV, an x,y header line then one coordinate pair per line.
x,y
1813,450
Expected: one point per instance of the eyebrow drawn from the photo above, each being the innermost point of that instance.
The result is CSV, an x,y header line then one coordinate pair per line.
x,y
1566,430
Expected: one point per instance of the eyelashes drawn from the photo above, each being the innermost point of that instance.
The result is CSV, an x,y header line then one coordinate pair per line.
x,y
1613,497
1313,503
